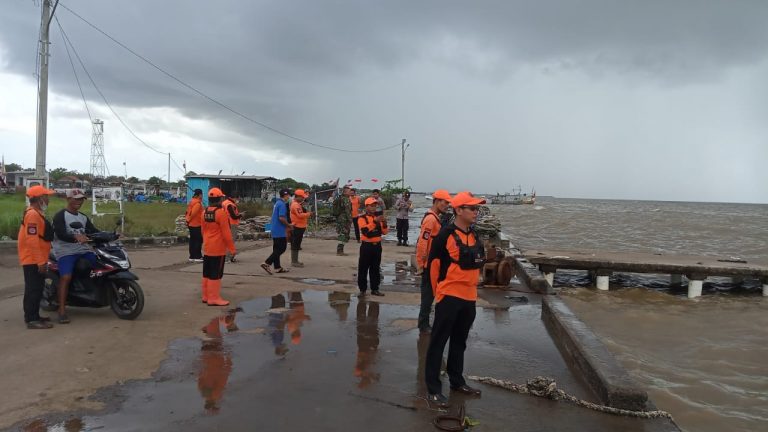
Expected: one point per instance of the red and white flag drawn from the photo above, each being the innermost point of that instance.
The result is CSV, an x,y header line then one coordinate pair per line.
x,y
375,180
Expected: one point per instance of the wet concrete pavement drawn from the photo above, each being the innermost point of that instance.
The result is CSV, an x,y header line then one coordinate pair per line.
x,y
310,356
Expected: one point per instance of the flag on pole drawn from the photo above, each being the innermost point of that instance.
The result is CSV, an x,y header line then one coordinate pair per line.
x,y
375,180
358,180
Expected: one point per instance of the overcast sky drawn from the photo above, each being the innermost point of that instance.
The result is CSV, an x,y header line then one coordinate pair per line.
x,y
647,99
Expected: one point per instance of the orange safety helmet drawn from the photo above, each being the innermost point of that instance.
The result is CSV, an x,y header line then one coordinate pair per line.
x,y
215,193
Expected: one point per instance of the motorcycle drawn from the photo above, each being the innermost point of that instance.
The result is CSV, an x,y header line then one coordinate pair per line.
x,y
108,283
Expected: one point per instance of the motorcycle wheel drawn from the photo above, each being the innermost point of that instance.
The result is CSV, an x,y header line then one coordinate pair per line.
x,y
49,302
126,299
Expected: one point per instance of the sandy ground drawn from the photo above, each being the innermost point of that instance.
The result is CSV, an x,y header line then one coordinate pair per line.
x,y
55,370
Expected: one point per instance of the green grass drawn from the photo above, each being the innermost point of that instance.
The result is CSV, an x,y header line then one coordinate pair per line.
x,y
141,219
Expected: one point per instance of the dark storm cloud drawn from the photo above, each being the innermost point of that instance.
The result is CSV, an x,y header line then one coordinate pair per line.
x,y
261,57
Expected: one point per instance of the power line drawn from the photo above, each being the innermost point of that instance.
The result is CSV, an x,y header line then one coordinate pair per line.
x,y
219,103
104,98
72,63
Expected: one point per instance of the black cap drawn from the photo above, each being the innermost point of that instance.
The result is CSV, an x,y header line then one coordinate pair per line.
x,y
284,192
197,192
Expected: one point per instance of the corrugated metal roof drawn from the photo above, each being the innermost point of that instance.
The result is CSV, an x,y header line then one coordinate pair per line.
x,y
230,177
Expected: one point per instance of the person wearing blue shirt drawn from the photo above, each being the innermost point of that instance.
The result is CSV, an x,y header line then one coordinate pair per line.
x,y
281,226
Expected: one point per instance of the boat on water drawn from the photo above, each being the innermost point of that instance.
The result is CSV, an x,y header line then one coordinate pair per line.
x,y
515,198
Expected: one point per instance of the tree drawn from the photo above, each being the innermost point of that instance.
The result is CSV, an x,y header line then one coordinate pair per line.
x,y
289,183
191,173
13,167
132,180
154,180
58,173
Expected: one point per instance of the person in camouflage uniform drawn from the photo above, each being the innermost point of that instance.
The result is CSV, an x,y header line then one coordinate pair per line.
x,y
343,220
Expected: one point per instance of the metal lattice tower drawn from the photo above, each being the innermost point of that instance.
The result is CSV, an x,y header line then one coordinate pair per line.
x,y
98,163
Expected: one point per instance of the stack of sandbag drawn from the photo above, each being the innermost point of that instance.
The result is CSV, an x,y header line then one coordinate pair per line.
x,y
181,226
253,225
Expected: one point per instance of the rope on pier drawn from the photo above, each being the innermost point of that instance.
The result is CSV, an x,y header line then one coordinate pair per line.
x,y
547,388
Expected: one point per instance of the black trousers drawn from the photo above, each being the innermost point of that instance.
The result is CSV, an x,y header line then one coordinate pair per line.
x,y
402,230
427,297
213,267
297,236
357,228
34,281
369,263
195,243
453,319
279,245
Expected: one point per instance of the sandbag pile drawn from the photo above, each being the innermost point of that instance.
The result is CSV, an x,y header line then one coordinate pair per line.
x,y
253,225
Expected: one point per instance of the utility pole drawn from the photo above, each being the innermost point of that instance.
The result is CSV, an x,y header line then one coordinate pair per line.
x,y
42,96
402,163
169,171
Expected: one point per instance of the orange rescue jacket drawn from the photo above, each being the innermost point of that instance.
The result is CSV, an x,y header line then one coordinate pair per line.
x,y
232,212
299,216
194,215
355,206
446,275
217,237
430,226
35,236
370,230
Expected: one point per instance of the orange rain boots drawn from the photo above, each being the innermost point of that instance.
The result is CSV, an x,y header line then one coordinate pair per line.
x,y
206,281
214,293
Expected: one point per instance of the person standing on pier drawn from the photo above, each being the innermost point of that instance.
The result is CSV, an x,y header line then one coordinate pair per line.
x,y
430,227
342,209
354,199
217,241
281,225
194,218
233,213
34,245
300,219
373,226
404,206
455,260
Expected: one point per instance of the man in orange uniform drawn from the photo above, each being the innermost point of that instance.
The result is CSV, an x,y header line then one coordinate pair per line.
x,y
194,218
229,204
455,261
217,241
34,244
373,226
354,198
430,226
300,219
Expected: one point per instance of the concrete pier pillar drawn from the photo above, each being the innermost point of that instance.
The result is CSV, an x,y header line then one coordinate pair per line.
x,y
676,280
602,279
603,282
550,277
694,288
765,287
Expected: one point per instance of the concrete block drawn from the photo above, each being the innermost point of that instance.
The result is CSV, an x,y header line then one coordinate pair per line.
x,y
694,288
588,356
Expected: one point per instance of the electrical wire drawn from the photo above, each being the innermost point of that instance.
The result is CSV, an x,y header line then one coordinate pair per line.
x,y
219,103
68,41
74,72
104,98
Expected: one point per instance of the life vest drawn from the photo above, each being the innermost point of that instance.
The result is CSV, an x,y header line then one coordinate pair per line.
x,y
470,257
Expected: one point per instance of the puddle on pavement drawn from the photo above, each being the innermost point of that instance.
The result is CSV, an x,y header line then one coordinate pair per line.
x,y
319,360
318,282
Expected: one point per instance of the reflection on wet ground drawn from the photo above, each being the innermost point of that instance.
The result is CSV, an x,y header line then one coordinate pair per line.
x,y
301,361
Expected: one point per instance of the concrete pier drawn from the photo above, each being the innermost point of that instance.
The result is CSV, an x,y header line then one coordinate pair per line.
x,y
602,263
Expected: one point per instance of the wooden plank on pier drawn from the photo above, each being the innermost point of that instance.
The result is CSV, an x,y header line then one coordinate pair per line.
x,y
634,262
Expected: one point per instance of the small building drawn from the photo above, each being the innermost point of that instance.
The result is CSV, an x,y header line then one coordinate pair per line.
x,y
66,183
248,188
16,178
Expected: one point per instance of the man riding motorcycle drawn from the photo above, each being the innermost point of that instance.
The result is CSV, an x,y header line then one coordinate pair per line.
x,y
70,228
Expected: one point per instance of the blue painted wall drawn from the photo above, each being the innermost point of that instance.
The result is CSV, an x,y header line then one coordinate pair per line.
x,y
198,183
